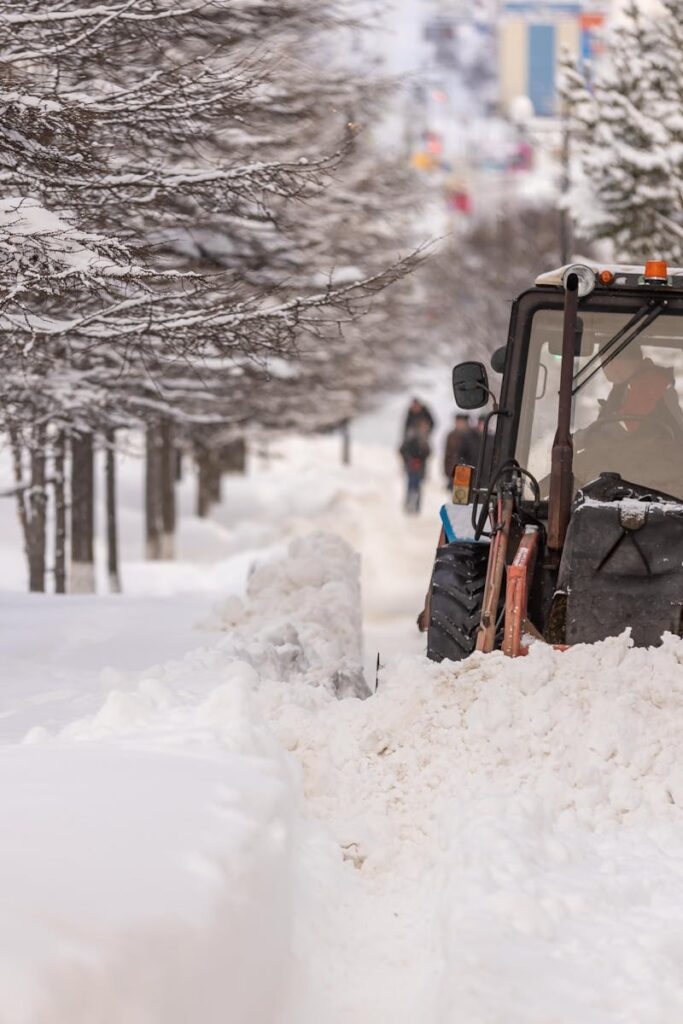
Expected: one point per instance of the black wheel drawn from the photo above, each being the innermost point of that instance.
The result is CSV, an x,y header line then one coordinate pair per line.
x,y
457,596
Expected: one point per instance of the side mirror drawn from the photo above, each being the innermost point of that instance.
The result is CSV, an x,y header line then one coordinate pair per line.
x,y
498,359
470,385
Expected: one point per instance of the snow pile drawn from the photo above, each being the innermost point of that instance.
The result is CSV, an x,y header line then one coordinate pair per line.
x,y
317,587
523,822
150,859
300,621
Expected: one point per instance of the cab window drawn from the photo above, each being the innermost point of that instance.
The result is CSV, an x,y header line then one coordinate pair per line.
x,y
626,417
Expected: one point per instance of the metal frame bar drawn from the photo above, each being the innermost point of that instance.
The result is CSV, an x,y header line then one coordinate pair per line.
x,y
486,634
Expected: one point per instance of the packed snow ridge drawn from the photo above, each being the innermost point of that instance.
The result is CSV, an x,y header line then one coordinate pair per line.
x,y
236,836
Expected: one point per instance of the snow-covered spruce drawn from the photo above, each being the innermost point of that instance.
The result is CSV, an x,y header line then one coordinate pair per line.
x,y
626,137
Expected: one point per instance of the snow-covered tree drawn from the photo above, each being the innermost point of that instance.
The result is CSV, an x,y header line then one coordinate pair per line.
x,y
175,227
626,137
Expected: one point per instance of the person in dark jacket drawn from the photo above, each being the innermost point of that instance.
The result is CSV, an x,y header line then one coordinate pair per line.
x,y
418,414
415,452
462,447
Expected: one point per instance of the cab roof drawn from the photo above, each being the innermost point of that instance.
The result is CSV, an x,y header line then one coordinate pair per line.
x,y
624,274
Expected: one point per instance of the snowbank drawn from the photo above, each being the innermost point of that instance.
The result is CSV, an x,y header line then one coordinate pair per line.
x,y
131,883
523,821
148,870
317,587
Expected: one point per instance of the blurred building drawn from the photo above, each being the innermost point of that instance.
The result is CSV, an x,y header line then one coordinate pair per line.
x,y
532,38
456,84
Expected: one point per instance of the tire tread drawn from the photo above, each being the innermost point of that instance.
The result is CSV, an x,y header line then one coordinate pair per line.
x,y
457,596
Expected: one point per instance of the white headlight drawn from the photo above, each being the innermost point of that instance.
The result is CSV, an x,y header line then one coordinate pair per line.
x,y
585,275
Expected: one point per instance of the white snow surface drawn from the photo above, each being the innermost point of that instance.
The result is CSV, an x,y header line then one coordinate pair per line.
x,y
196,827
150,853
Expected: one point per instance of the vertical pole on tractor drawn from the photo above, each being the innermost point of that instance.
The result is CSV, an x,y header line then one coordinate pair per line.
x,y
561,476
565,220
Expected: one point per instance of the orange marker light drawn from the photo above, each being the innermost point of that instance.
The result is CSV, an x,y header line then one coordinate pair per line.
x,y
462,484
605,277
656,270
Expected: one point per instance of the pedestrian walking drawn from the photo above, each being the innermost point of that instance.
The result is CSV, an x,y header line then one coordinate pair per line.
x,y
462,447
415,452
418,414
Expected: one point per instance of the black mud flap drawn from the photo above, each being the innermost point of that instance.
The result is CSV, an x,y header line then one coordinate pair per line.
x,y
622,563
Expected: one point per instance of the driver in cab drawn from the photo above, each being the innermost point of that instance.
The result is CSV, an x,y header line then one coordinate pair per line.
x,y
639,429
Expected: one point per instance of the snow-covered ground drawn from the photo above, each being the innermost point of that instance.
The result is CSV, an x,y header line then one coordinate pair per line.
x,y
197,828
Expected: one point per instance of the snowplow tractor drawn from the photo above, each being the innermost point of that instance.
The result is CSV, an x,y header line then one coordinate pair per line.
x,y
570,528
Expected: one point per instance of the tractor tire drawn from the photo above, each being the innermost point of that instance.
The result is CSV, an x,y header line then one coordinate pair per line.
x,y
457,596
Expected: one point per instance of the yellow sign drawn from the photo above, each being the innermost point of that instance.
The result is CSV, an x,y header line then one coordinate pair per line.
x,y
422,161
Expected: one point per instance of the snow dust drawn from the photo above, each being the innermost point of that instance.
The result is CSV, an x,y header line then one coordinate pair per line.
x,y
197,827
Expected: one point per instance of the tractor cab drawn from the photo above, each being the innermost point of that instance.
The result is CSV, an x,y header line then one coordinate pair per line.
x,y
583,479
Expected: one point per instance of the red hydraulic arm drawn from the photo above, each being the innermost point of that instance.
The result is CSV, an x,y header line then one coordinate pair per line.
x,y
517,593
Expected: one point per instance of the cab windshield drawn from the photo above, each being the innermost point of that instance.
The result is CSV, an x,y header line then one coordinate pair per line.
x,y
627,418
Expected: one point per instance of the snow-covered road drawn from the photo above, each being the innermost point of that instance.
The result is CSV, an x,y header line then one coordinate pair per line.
x,y
197,828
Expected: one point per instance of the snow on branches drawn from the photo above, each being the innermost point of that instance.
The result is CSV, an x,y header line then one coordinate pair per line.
x,y
192,231
150,162
43,253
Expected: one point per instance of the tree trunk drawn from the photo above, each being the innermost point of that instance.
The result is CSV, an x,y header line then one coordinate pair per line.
x,y
234,456
168,506
82,515
153,501
215,478
203,482
60,512
112,526
32,503
38,512
22,504
346,442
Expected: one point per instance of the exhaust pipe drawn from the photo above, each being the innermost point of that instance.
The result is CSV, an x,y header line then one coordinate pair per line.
x,y
561,474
